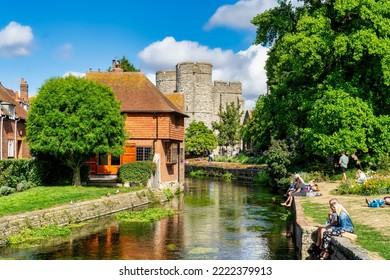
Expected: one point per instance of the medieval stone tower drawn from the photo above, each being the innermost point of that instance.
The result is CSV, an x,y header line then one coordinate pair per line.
x,y
204,99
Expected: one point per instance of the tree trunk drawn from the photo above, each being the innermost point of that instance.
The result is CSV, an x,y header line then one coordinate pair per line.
x,y
76,176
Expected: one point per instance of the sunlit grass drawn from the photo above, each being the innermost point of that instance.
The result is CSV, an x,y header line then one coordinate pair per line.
x,y
43,197
368,238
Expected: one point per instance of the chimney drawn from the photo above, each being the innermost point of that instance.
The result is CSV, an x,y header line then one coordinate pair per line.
x,y
23,90
113,65
116,66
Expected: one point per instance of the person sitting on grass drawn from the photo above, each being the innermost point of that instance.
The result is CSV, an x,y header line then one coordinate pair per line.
x,y
360,177
300,190
378,202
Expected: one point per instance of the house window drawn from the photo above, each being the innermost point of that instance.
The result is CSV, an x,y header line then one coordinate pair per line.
x,y
171,152
143,153
177,122
103,159
11,148
115,160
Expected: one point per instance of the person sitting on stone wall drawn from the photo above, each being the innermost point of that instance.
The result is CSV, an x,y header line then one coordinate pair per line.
x,y
293,185
300,190
376,203
330,221
344,225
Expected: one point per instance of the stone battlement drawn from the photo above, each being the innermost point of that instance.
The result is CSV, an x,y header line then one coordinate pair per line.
x,y
203,98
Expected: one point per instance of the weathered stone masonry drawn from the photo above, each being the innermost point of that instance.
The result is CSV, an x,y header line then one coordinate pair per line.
x,y
75,212
341,247
204,99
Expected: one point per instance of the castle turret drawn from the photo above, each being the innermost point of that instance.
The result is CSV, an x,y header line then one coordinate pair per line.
x,y
166,80
204,100
195,81
225,93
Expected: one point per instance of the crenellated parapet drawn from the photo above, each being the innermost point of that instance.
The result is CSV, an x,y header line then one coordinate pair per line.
x,y
204,99
166,80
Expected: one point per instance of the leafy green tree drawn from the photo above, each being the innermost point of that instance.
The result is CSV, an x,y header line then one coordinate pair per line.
x,y
199,138
229,125
319,49
73,119
338,122
127,66
257,131
278,160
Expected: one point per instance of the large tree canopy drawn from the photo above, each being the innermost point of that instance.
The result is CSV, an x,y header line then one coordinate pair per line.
x,y
323,53
73,119
199,138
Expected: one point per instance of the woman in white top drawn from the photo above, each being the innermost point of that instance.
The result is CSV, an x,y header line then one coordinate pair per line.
x,y
360,177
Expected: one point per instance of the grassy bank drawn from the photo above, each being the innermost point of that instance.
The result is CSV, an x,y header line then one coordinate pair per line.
x,y
369,238
43,197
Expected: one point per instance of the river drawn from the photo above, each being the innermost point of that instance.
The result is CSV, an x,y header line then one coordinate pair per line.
x,y
217,220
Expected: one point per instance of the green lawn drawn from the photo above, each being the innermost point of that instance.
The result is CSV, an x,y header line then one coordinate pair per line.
x,y
44,197
368,238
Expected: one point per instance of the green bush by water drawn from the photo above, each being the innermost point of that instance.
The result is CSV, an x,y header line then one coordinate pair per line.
x,y
148,215
138,172
39,234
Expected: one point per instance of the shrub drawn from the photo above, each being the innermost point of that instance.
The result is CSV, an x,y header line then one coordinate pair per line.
x,y
261,177
24,185
227,177
372,186
199,174
15,171
5,190
139,171
278,159
168,193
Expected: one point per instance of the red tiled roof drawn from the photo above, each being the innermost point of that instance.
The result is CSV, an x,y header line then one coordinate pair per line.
x,y
7,95
135,92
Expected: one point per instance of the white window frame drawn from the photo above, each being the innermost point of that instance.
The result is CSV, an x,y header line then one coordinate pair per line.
x,y
11,148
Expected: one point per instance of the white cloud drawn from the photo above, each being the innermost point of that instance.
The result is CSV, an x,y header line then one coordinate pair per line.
x,y
16,40
73,73
168,52
65,51
246,66
239,15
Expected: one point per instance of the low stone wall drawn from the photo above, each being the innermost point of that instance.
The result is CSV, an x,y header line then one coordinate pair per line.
x,y
237,173
305,235
76,212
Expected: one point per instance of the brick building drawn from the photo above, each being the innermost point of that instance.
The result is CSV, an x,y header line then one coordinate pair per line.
x,y
13,115
154,123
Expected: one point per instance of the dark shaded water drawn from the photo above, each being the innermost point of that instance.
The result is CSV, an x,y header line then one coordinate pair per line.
x,y
218,220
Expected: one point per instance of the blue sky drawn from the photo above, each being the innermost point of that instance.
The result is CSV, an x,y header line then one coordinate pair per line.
x,y
40,39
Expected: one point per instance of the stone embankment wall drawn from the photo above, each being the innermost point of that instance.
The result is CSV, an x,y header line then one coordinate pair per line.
x,y
305,235
77,212
237,173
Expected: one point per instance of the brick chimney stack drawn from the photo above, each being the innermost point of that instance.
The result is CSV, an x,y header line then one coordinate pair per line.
x,y
23,90
116,66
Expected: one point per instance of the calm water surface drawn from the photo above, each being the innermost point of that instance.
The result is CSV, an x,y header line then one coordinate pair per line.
x,y
217,220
